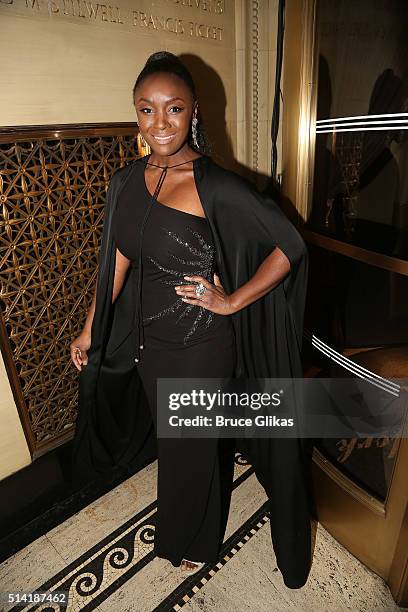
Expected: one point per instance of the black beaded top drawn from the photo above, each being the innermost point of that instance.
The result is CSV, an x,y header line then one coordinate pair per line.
x,y
174,244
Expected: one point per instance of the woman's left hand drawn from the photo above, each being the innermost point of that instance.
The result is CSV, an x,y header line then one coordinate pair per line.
x,y
214,297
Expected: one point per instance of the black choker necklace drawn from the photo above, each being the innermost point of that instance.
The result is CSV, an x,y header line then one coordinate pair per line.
x,y
174,166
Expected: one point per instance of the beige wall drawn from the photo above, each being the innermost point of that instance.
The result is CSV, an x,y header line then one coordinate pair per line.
x,y
75,61
14,453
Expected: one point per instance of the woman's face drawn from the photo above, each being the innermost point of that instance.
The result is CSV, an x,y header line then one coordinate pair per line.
x,y
164,106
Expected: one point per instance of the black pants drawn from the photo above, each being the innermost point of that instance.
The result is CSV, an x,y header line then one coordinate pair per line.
x,y
194,475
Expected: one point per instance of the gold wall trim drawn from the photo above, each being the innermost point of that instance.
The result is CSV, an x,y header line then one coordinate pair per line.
x,y
398,576
53,181
307,109
373,504
255,84
18,133
392,264
299,107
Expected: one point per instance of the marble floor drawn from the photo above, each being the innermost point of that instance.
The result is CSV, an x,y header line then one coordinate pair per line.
x,y
101,559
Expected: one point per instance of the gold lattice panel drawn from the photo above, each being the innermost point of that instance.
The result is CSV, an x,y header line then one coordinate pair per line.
x,y
52,193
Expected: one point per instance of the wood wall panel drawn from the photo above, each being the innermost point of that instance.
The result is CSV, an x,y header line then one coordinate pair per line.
x,y
53,182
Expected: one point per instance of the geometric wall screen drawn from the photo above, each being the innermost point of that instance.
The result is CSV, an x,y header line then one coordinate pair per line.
x,y
53,183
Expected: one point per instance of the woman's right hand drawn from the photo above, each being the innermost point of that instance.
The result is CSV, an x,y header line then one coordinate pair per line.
x,y
79,347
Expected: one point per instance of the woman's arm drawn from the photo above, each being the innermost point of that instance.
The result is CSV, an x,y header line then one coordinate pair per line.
x,y
121,267
89,317
81,344
274,268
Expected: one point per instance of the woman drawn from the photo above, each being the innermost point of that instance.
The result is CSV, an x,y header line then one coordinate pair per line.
x,y
178,229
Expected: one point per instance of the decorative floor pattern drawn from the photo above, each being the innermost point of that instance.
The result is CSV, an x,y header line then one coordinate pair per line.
x,y
104,568
191,585
120,573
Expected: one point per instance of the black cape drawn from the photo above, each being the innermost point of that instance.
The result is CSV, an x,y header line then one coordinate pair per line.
x,y
114,426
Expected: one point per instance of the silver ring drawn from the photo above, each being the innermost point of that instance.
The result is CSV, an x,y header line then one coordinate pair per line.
x,y
200,289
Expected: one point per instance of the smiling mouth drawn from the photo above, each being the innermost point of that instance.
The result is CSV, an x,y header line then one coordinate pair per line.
x,y
164,139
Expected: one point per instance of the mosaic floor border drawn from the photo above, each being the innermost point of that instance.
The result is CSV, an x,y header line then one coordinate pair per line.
x,y
104,568
189,587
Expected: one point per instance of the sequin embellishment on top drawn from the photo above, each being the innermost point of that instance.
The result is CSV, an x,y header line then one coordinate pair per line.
x,y
201,265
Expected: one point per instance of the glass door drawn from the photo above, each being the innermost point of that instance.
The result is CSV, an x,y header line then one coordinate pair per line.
x,y
355,214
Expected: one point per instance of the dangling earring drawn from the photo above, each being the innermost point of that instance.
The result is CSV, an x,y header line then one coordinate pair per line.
x,y
142,147
194,131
